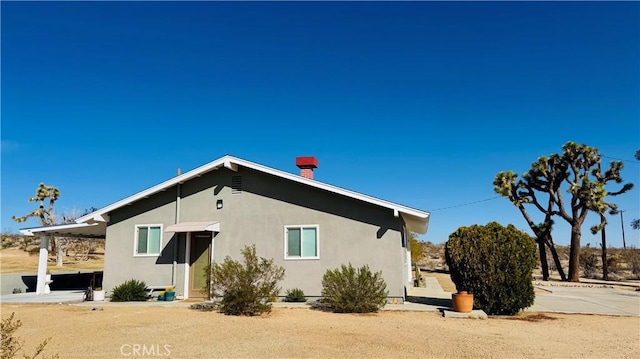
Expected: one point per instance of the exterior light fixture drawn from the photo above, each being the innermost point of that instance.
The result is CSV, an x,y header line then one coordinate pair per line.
x,y
219,204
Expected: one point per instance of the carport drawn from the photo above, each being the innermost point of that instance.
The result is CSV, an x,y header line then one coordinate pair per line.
x,y
88,230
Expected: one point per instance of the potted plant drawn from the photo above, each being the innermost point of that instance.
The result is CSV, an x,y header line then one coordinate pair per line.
x,y
461,261
168,295
98,294
495,263
462,301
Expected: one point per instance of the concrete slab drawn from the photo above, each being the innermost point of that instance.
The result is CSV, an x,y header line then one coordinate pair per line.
x,y
606,301
55,297
474,314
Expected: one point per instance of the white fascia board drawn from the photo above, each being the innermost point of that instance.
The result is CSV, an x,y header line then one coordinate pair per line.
x,y
330,188
416,224
157,188
231,163
104,217
59,227
215,227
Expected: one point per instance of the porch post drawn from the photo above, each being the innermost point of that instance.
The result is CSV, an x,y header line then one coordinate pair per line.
x,y
213,236
409,265
187,257
42,264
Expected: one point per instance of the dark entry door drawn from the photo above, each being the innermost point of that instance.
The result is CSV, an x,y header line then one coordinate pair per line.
x,y
200,258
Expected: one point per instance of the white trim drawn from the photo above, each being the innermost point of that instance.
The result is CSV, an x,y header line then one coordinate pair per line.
x,y
55,228
100,218
194,227
135,240
232,166
187,264
286,242
418,223
407,262
213,237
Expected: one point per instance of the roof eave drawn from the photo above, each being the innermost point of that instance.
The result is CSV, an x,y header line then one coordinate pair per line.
x,y
232,163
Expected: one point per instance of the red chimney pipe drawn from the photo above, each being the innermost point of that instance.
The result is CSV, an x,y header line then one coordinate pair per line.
x,y
306,165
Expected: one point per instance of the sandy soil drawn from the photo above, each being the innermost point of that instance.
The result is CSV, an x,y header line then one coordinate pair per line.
x,y
14,260
179,332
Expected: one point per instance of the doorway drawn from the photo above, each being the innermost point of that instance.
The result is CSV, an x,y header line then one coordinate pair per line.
x,y
199,259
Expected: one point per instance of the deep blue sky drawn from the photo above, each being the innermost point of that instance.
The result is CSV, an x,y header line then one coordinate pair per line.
x,y
419,103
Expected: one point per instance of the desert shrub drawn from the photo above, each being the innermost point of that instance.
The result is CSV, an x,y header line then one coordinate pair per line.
x,y
614,263
33,251
295,295
351,290
417,277
631,256
495,263
82,248
416,247
11,345
589,263
130,291
245,288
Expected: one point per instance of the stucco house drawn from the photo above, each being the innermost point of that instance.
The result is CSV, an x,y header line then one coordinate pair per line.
x,y
165,235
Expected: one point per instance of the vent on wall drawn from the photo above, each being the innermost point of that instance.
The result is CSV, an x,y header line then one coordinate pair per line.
x,y
236,184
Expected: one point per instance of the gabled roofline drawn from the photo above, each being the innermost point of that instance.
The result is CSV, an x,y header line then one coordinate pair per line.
x,y
420,219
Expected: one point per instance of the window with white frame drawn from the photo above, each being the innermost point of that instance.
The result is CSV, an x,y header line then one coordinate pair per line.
x,y
301,242
148,240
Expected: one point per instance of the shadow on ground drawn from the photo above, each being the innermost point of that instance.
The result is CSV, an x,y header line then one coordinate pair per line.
x,y
437,302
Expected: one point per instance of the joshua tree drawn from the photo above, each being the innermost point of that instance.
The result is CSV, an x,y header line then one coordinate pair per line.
x,y
578,168
46,216
523,192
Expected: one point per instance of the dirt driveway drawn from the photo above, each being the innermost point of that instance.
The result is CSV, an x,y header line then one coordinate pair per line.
x,y
179,332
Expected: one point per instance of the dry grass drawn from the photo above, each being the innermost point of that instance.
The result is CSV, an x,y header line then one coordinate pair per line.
x,y
79,332
14,260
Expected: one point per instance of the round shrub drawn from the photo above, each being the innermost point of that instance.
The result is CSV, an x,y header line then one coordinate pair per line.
x,y
496,264
130,291
350,290
245,288
295,295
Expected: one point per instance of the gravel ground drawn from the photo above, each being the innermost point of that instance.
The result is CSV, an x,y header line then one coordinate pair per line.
x,y
179,332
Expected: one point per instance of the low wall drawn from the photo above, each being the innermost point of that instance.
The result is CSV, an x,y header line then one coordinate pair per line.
x,y
26,282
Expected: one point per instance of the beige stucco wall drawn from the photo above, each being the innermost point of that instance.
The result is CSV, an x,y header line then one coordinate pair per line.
x,y
349,230
120,263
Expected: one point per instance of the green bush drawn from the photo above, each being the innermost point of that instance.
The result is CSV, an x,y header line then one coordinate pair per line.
x,y
130,291
245,288
295,295
350,290
496,264
589,263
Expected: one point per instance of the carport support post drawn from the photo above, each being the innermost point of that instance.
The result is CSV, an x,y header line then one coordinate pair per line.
x,y
42,264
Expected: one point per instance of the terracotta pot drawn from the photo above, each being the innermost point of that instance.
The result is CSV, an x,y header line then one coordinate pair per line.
x,y
462,302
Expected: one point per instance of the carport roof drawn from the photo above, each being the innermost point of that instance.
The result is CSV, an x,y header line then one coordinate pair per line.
x,y
81,230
